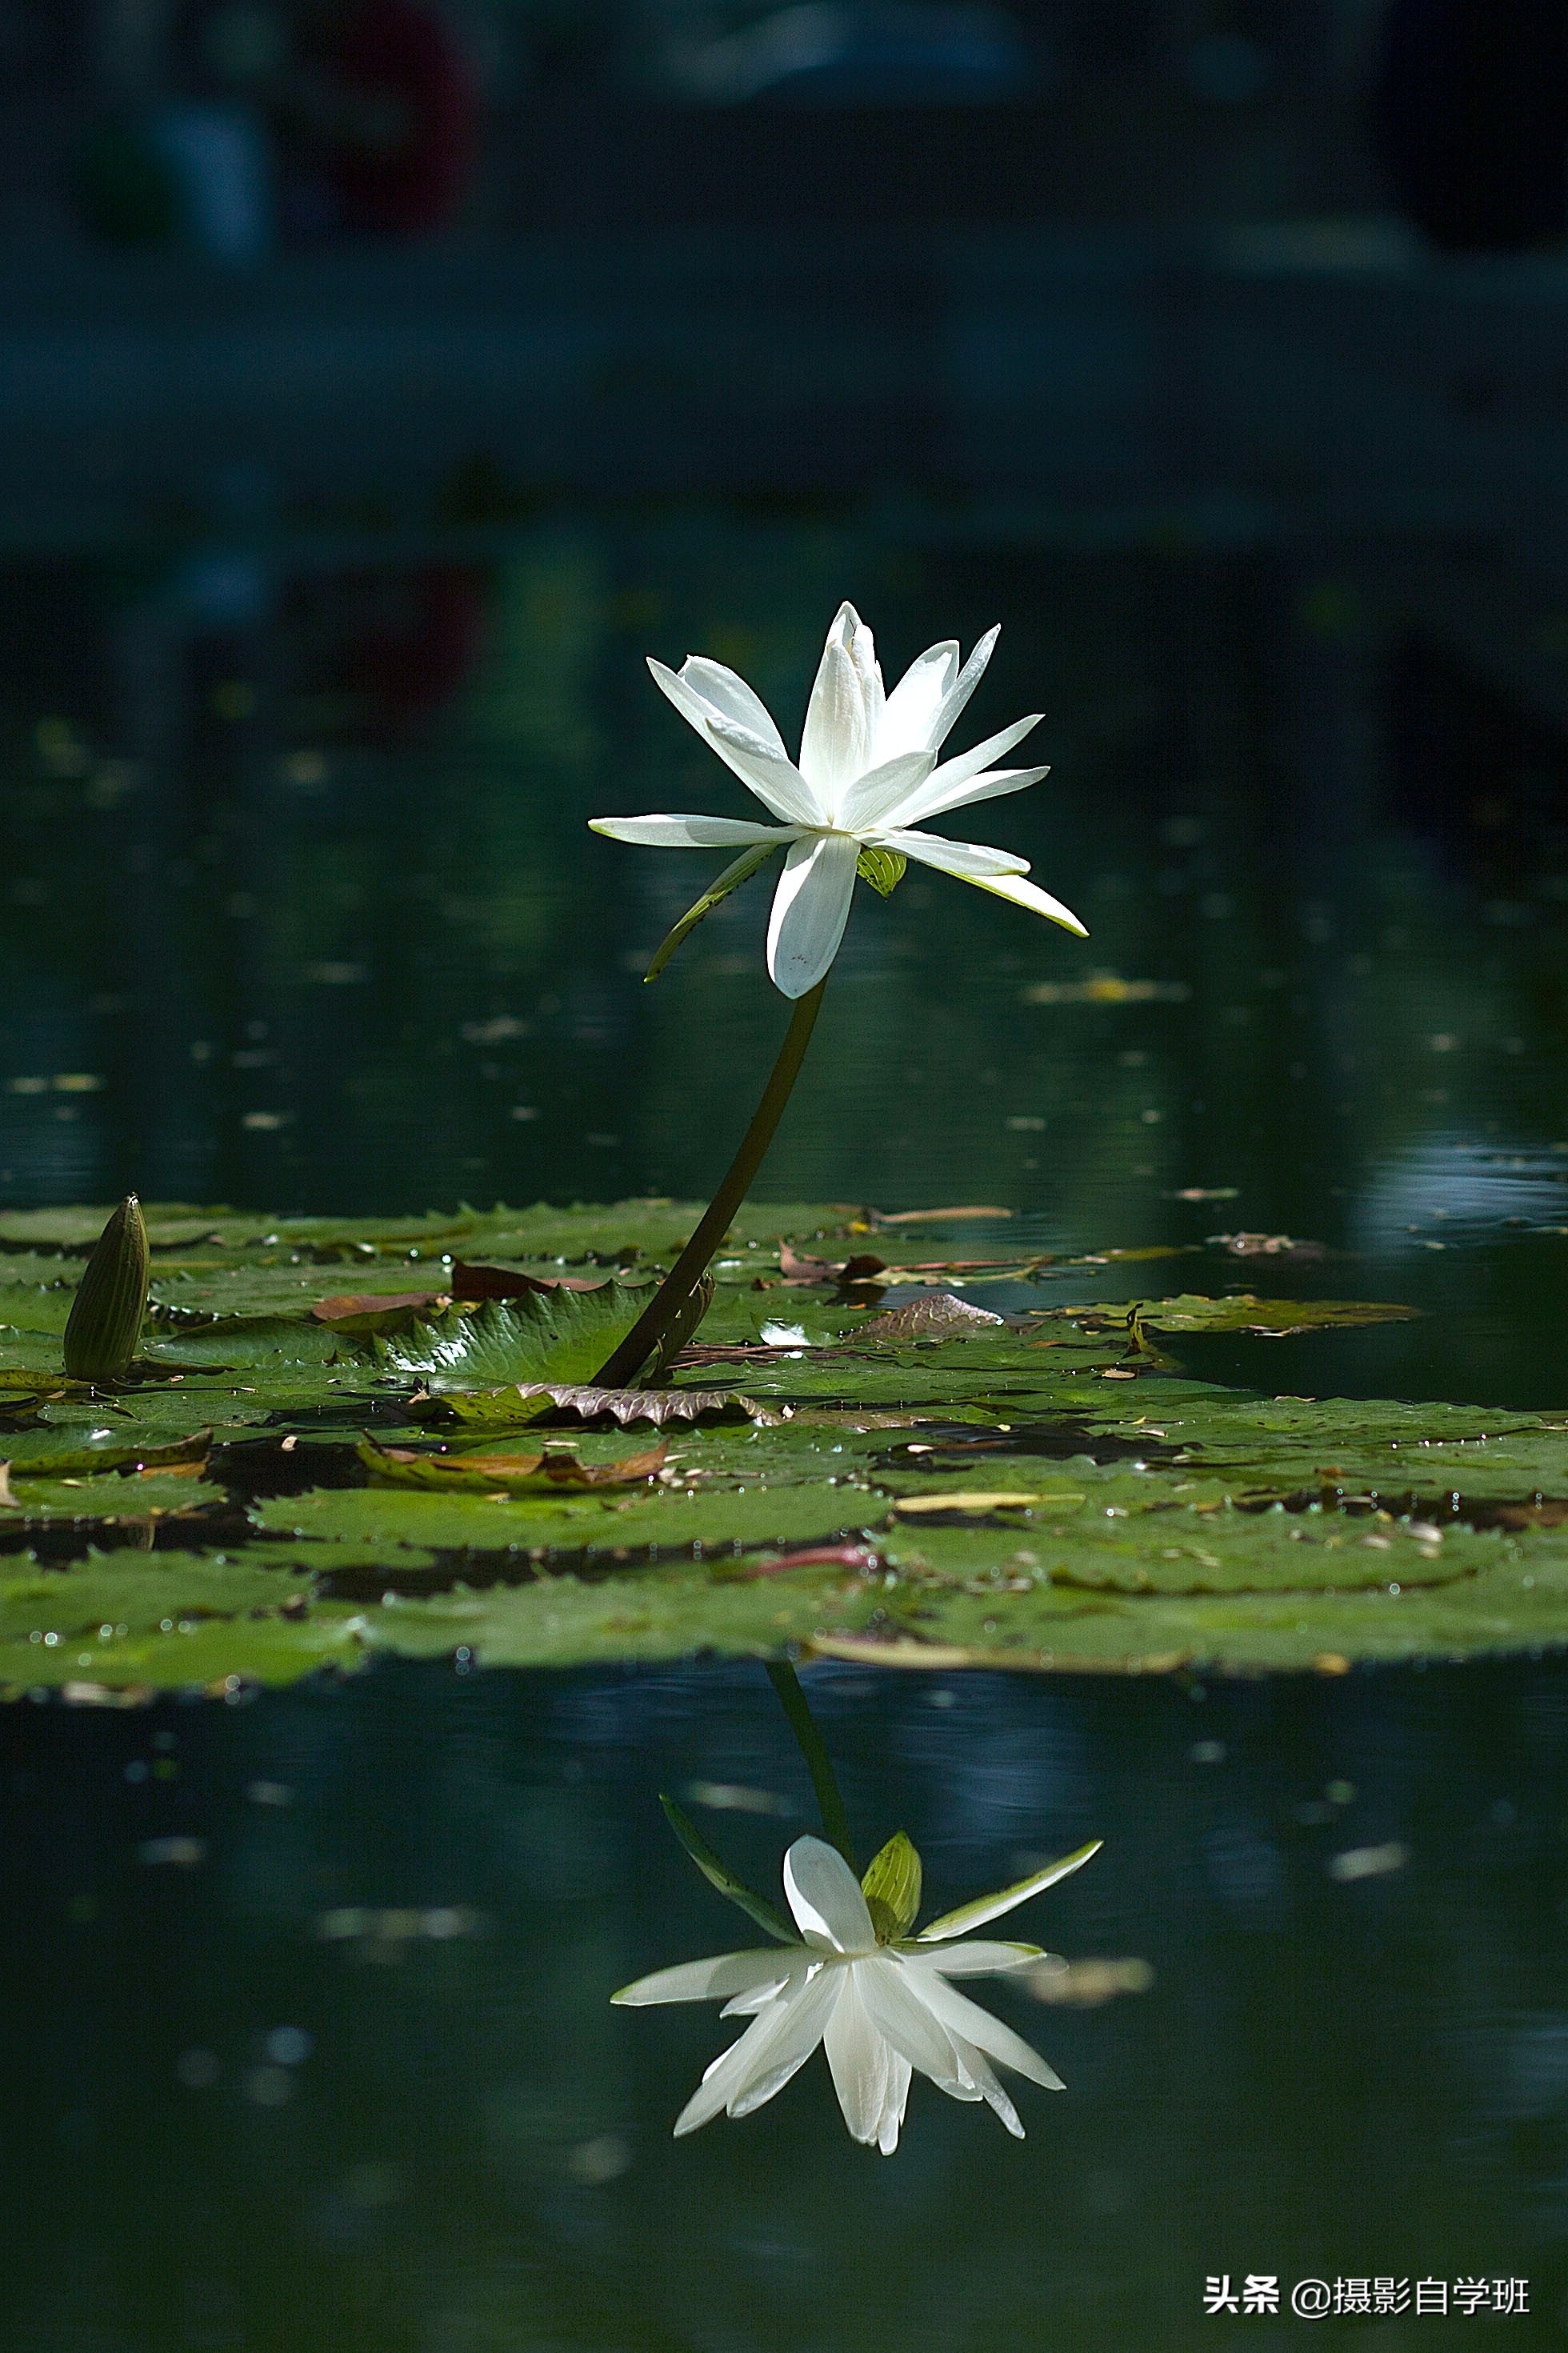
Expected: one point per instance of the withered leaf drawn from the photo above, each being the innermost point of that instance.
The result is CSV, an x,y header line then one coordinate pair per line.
x,y
943,1316
795,1268
478,1278
935,1216
512,1475
376,1311
860,1558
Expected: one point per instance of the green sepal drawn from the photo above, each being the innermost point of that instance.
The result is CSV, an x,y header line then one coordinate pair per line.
x,y
883,868
718,1874
111,1299
738,870
992,1907
892,1889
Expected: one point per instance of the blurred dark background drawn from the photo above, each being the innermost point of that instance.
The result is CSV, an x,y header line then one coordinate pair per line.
x,y
1305,251
381,380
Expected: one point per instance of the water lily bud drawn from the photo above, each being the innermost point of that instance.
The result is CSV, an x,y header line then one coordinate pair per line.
x,y
111,1299
892,1889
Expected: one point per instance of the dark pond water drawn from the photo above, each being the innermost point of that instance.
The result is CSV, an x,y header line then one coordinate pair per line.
x,y
351,2078
301,910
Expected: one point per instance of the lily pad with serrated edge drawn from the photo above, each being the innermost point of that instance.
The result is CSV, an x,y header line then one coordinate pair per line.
x,y
524,1403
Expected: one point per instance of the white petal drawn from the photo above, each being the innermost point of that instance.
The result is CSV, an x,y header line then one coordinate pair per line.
x,y
1028,895
914,707
1007,1899
965,2019
973,1958
970,860
760,763
861,2062
989,785
868,800
896,2005
964,684
711,1980
730,697
728,2075
986,2086
756,1998
964,764
835,742
688,832
894,2100
863,653
808,2015
775,780
811,907
825,1897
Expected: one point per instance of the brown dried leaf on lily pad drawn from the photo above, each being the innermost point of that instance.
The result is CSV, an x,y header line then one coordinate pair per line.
x,y
936,1217
477,1278
512,1474
377,1311
970,1265
526,1401
795,1268
943,1316
862,1559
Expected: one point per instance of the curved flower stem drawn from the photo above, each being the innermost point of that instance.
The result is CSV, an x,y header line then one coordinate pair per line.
x,y
814,1749
627,1361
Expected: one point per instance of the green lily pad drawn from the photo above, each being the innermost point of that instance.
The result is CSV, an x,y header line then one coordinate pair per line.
x,y
560,1337
1185,1550
1240,1311
115,1595
272,1341
56,1453
648,1226
575,1523
151,1495
933,1487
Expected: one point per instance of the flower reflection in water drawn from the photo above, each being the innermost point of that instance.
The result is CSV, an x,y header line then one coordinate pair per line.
x,y
852,1978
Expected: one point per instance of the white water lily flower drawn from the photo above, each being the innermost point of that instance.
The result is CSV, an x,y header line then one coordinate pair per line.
x,y
867,777
880,2003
